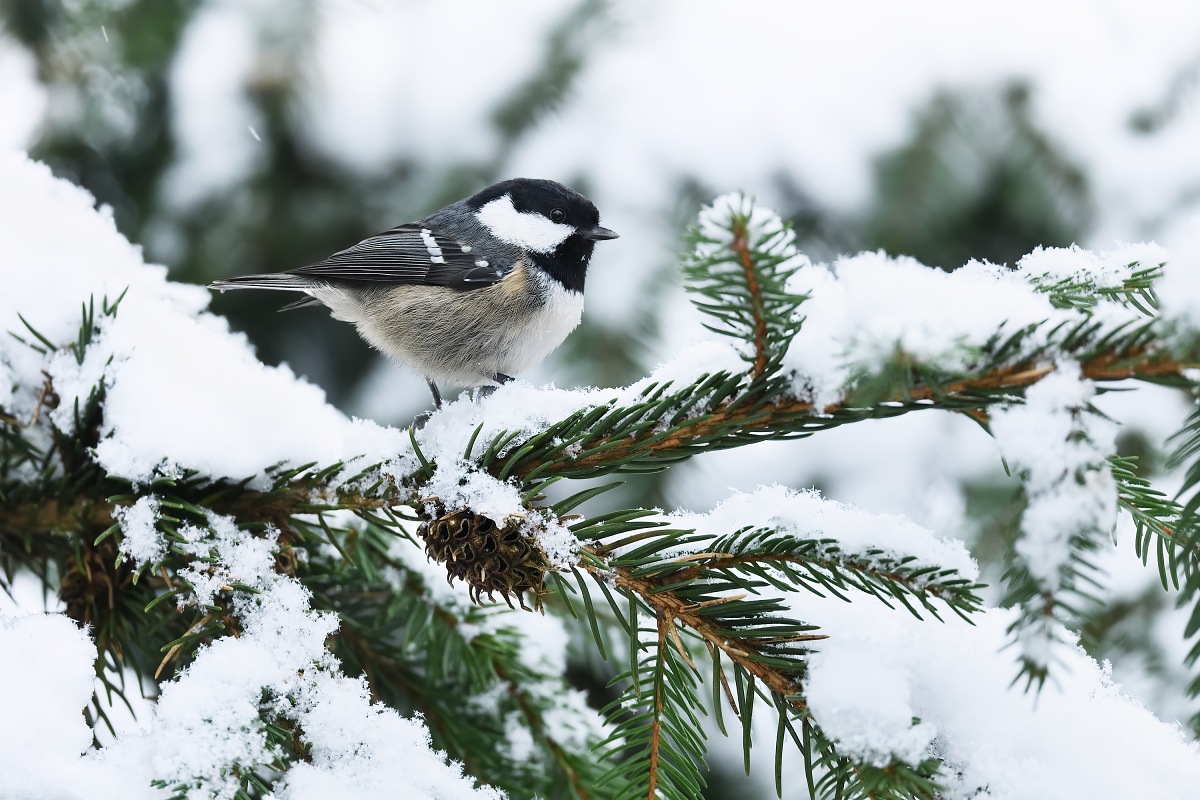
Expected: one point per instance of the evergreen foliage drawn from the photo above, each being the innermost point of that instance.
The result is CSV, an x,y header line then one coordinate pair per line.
x,y
694,622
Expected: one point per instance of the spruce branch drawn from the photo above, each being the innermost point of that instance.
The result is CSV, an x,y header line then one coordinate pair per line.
x,y
732,419
1186,454
741,261
413,648
1160,524
1071,505
831,775
609,437
740,246
726,593
656,720
1084,292
732,595
294,494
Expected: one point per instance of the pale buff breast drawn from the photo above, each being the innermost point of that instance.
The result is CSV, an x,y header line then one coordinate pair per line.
x,y
463,338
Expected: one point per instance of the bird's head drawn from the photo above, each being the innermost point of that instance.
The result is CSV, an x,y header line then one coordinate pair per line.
x,y
557,226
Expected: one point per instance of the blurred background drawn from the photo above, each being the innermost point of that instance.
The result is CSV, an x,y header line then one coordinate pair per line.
x,y
253,136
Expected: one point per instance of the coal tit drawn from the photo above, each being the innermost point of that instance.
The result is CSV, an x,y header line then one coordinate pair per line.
x,y
467,296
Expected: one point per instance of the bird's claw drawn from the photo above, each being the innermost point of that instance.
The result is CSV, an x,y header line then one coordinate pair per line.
x,y
486,391
419,420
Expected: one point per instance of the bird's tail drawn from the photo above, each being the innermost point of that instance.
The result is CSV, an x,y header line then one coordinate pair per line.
x,y
278,280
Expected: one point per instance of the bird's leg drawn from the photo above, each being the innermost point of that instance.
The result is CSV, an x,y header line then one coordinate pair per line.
x,y
437,396
420,420
500,378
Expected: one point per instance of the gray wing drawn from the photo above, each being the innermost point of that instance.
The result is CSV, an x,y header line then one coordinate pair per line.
x,y
412,254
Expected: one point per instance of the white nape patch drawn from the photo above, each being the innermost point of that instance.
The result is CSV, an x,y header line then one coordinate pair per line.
x,y
527,230
435,252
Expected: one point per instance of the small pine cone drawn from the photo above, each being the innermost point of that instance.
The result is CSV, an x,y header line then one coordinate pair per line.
x,y
488,558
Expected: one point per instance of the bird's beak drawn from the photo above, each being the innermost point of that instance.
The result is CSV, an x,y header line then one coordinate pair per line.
x,y
598,234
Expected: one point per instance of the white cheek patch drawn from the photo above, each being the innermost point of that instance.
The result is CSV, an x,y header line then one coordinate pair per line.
x,y
527,230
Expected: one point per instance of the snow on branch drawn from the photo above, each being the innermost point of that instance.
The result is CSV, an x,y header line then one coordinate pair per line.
x,y
868,311
890,688
183,392
151,458
742,259
269,697
1059,446
825,546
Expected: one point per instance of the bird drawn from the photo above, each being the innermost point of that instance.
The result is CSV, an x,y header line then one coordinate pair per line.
x,y
467,296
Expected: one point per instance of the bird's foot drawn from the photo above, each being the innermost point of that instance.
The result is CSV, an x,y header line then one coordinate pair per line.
x,y
486,391
419,420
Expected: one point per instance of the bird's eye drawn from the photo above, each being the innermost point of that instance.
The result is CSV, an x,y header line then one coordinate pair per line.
x,y
558,215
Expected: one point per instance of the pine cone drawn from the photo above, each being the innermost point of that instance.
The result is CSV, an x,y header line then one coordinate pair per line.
x,y
489,558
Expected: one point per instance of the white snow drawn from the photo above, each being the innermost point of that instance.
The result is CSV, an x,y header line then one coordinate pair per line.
x,y
1109,269
184,392
761,225
140,540
883,668
366,751
807,515
208,719
1179,291
518,740
867,309
45,681
703,357
1061,448
866,709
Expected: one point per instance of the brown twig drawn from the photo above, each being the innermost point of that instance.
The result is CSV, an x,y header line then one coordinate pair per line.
x,y
49,516
1156,364
656,724
174,651
741,246
47,392
28,518
668,606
